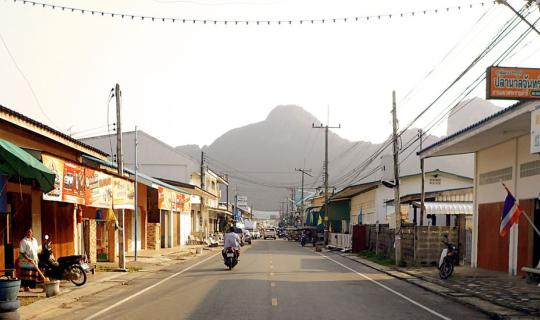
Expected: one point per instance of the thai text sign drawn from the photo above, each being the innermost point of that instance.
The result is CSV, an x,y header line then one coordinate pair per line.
x,y
68,183
123,194
513,83
98,189
535,131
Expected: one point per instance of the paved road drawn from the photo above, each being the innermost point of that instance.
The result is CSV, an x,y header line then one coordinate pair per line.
x,y
274,280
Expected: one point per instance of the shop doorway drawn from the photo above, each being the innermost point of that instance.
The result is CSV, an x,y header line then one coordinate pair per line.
x,y
165,229
102,240
536,241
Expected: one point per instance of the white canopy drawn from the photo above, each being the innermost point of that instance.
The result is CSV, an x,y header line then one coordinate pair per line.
x,y
447,207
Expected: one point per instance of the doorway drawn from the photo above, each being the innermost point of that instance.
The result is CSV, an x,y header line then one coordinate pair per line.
x,y
536,241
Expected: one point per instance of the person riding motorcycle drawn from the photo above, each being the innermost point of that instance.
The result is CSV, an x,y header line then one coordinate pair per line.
x,y
231,240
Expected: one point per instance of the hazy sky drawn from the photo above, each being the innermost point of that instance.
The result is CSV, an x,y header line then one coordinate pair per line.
x,y
189,83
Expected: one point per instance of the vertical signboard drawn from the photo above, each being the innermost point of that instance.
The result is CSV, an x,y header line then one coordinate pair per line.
x,y
73,183
535,131
57,166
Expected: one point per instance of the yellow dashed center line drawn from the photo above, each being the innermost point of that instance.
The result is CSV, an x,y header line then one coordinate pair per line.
x,y
274,302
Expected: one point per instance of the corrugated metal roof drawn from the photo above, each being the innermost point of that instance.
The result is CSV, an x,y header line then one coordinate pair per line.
x,y
146,180
49,129
474,125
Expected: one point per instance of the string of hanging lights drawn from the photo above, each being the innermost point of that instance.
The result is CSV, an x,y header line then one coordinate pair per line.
x,y
253,22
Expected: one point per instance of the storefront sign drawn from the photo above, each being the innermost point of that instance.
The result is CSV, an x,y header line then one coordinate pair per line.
x,y
57,166
73,183
123,194
535,131
513,83
98,191
173,201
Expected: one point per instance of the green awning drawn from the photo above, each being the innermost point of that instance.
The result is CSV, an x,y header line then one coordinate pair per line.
x,y
15,162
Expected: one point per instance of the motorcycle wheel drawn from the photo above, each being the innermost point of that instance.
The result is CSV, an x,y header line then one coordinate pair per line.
x,y
446,270
230,264
77,275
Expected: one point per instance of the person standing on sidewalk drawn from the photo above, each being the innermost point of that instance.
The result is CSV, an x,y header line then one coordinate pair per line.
x,y
28,260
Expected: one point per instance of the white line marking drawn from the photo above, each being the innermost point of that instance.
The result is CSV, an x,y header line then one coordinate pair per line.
x,y
273,284
388,288
148,288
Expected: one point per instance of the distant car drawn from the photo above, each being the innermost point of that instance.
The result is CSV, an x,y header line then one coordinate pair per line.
x,y
247,236
255,234
270,233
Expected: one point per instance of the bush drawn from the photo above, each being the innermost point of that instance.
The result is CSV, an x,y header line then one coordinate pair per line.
x,y
377,258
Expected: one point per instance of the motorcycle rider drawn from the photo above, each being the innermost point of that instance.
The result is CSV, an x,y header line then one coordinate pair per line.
x,y
231,240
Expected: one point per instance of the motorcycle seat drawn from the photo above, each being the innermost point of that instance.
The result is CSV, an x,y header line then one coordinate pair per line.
x,y
75,258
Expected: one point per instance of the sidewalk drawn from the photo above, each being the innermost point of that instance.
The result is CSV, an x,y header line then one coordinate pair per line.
x,y
494,293
104,280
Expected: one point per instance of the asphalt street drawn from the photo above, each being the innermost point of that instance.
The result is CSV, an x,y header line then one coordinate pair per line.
x,y
274,279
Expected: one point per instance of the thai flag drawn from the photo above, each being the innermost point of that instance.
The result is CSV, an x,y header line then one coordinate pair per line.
x,y
511,213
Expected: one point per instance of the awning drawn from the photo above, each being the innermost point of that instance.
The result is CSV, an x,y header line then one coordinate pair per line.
x,y
447,207
221,211
15,162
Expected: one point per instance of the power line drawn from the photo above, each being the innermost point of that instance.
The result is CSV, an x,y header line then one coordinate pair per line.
x,y
27,82
255,22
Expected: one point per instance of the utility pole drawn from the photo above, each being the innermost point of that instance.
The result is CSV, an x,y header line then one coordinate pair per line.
x,y
136,192
120,162
326,171
397,202
202,187
423,190
519,14
235,210
304,172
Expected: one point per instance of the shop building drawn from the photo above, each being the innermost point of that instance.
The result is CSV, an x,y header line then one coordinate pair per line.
x,y
503,151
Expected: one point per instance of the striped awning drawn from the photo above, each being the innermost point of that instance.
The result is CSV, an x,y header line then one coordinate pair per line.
x,y
447,207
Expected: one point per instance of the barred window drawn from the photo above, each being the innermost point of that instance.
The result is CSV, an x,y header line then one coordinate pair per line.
x,y
529,169
496,176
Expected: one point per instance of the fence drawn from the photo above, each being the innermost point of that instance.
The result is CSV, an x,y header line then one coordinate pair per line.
x,y
340,240
421,245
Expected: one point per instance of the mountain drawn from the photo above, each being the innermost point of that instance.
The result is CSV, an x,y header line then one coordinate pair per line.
x,y
260,158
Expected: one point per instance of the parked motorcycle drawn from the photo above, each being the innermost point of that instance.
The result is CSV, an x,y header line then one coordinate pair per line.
x,y
71,268
303,240
230,258
449,258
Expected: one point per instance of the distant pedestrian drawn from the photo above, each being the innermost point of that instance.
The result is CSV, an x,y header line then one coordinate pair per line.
x,y
28,260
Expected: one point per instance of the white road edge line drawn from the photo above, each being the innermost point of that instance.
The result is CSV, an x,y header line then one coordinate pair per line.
x,y
388,288
148,288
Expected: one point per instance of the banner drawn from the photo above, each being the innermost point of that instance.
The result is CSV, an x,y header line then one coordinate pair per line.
x,y
166,199
123,194
57,166
98,191
73,183
513,83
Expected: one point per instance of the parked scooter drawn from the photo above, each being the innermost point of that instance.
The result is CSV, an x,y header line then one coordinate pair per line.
x,y
303,240
449,258
71,268
230,257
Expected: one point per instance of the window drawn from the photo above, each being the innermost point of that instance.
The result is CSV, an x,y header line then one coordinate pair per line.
x,y
435,181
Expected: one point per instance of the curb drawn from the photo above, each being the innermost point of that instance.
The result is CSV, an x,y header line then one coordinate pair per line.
x,y
490,309
36,309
